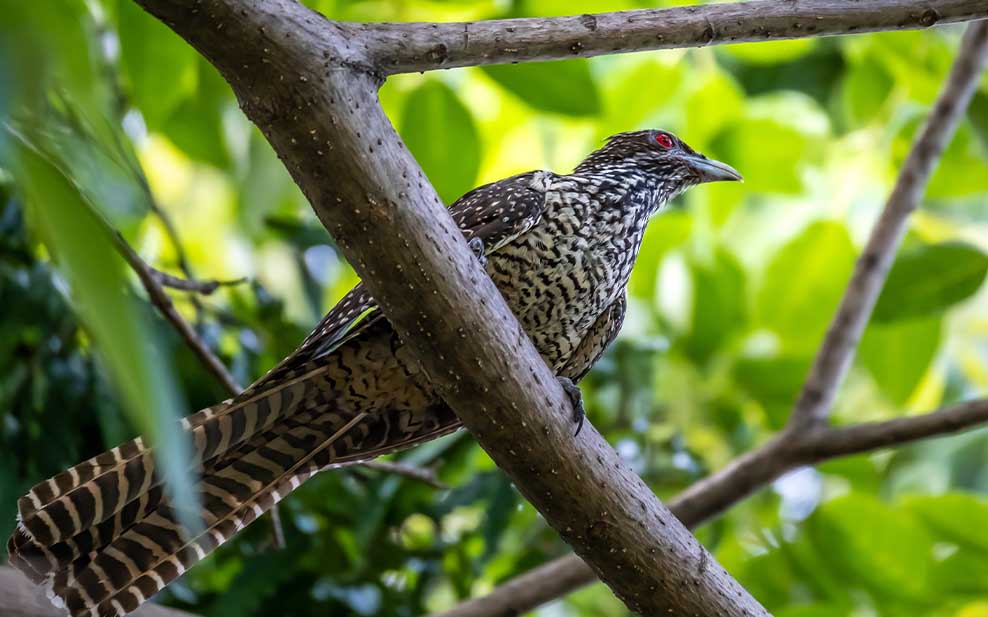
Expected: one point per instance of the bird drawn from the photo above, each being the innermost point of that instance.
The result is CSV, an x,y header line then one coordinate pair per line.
x,y
102,538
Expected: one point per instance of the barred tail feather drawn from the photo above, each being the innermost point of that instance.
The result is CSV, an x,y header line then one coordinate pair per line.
x,y
96,490
134,566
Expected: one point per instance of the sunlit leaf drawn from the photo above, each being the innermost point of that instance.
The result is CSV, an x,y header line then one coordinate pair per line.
x,y
774,382
440,133
898,354
777,137
928,279
864,90
958,517
563,87
719,305
803,283
775,52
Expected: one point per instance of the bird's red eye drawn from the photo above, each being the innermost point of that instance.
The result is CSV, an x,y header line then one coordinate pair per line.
x,y
663,140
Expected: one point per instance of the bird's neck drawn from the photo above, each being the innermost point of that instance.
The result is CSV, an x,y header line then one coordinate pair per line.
x,y
628,187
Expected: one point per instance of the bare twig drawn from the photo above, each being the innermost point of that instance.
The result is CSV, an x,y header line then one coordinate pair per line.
x,y
806,440
421,474
871,269
277,530
156,294
200,286
404,48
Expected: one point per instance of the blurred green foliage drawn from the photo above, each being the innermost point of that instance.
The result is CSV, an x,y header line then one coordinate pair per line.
x,y
116,118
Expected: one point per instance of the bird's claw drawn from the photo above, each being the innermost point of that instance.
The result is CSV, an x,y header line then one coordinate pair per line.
x,y
575,399
476,245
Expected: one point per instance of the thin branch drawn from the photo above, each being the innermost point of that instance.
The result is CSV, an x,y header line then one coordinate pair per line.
x,y
419,474
411,47
805,441
156,294
871,269
713,495
204,287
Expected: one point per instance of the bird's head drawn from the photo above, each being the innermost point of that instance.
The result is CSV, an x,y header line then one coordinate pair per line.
x,y
658,159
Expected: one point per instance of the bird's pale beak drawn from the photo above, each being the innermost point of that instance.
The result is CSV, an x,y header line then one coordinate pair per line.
x,y
709,170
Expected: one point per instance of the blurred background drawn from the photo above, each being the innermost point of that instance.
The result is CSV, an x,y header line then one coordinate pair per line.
x,y
111,124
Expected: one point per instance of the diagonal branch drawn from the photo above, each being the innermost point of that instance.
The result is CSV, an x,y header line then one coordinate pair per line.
x,y
835,355
151,280
728,486
410,47
312,91
804,441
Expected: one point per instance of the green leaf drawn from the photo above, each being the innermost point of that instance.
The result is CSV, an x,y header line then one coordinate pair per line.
x,y
83,246
778,135
958,517
440,133
774,52
773,382
977,113
665,232
804,282
196,125
897,354
159,66
563,87
873,545
864,91
928,279
719,304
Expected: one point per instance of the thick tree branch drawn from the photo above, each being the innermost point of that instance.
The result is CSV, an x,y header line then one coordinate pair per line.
x,y
312,92
410,47
806,440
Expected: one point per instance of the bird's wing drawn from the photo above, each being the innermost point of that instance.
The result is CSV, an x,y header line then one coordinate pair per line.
x,y
601,334
501,211
495,213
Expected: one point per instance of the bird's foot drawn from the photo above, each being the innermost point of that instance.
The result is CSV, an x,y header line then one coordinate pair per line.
x,y
576,399
477,246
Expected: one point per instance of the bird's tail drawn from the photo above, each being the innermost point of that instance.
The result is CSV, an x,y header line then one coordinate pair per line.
x,y
102,537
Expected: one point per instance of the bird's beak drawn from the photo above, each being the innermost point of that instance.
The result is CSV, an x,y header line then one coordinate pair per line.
x,y
709,170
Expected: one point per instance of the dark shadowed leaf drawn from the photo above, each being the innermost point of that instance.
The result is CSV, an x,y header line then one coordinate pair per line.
x,y
872,545
563,87
440,133
196,125
928,279
977,113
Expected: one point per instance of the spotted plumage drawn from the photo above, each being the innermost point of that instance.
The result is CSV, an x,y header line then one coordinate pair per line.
x,y
101,536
